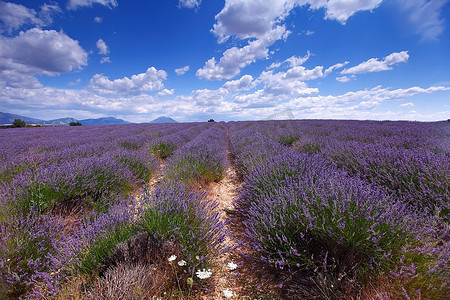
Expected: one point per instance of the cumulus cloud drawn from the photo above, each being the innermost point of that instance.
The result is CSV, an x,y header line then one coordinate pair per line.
x,y
375,95
290,83
257,20
189,3
425,16
181,71
105,59
244,83
204,103
102,47
75,4
151,80
341,10
98,20
408,104
207,97
254,18
335,67
74,83
234,59
376,65
249,18
39,51
13,16
343,79
295,61
166,92
301,73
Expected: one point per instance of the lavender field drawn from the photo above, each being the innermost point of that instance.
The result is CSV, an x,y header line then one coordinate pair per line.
x,y
311,209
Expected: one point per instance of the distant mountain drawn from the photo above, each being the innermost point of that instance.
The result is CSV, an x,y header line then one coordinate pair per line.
x,y
6,118
103,121
61,121
163,120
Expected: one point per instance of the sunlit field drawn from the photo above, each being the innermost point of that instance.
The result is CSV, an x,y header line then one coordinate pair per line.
x,y
312,209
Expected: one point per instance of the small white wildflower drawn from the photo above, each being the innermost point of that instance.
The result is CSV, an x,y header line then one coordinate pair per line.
x,y
172,258
232,266
182,263
203,274
228,293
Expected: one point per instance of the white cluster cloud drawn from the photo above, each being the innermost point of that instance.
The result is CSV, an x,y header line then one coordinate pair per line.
x,y
205,102
335,67
151,80
166,92
363,100
261,21
75,4
244,83
234,59
98,20
74,83
13,15
254,18
104,50
207,97
105,59
282,85
181,71
342,10
102,47
38,51
344,78
376,65
189,3
249,18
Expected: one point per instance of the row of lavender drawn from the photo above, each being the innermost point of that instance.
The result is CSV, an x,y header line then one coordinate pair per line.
x,y
182,227
46,172
335,203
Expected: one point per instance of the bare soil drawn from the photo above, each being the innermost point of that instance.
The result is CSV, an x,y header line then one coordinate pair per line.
x,y
249,280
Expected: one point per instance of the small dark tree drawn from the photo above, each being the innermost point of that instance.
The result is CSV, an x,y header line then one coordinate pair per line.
x,y
211,120
77,123
18,123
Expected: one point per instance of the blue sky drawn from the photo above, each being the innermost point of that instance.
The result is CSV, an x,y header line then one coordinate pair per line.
x,y
194,60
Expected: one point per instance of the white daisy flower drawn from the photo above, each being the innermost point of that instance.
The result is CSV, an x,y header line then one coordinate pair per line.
x,y
232,266
172,258
203,274
228,293
182,263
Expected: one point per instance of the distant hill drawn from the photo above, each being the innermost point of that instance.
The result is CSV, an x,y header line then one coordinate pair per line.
x,y
103,121
61,121
163,120
6,118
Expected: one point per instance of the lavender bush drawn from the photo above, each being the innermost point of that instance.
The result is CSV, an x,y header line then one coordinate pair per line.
x,y
301,213
179,214
202,159
33,252
165,145
418,177
249,148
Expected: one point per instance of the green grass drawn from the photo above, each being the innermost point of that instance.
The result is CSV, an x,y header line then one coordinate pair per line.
x,y
162,150
101,249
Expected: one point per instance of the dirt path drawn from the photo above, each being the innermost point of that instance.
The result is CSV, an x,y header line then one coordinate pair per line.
x,y
225,192
245,281
158,176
